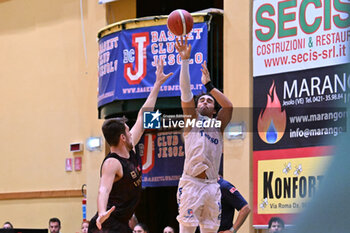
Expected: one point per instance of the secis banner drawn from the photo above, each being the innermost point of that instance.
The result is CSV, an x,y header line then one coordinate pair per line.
x,y
128,58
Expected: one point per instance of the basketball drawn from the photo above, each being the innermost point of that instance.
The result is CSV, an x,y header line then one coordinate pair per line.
x,y
180,22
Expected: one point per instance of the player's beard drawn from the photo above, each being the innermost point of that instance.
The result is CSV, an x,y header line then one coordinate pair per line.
x,y
205,111
128,144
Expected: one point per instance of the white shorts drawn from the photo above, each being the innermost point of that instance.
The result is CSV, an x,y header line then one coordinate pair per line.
x,y
199,203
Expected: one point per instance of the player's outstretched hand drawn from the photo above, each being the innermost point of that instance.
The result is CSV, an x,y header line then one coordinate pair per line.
x,y
183,48
205,73
160,76
103,217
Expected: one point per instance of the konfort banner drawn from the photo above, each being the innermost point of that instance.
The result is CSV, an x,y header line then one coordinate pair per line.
x,y
285,180
128,58
301,81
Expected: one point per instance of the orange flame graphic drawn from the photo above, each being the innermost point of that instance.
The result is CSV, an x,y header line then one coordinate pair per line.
x,y
272,120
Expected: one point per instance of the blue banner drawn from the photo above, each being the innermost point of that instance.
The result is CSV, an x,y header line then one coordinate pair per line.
x,y
163,156
128,58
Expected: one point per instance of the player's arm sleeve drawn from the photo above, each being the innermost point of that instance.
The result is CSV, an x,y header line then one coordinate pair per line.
x,y
187,101
185,83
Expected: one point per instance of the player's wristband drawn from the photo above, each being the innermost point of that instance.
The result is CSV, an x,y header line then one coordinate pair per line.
x,y
233,230
209,86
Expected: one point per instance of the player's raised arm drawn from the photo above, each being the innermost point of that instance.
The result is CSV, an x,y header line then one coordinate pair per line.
x,y
187,101
225,113
137,130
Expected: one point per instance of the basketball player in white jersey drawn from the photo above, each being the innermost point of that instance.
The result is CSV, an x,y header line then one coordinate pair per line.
x,y
198,192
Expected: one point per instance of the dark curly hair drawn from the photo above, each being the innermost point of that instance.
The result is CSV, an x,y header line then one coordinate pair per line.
x,y
216,105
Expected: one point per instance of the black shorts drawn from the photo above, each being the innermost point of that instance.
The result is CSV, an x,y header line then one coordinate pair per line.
x,y
111,225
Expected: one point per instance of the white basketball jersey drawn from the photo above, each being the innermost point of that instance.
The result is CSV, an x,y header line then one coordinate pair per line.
x,y
203,149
